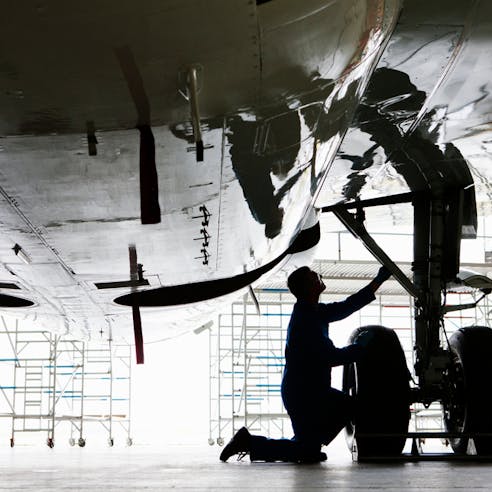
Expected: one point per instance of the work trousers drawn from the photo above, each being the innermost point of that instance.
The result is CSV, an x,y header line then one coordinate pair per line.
x,y
315,423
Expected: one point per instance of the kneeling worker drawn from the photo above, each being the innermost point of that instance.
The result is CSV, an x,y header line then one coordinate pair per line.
x,y
317,411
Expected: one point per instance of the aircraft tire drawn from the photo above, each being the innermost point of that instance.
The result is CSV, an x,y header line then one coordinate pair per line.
x,y
468,404
380,384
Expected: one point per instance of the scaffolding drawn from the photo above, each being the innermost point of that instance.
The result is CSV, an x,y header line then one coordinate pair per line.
x,y
29,397
52,380
246,367
106,379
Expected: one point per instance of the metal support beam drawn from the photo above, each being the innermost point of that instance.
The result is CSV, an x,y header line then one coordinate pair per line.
x,y
436,281
373,202
420,267
358,229
195,111
189,81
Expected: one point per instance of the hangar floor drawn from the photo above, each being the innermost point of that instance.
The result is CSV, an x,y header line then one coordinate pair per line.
x,y
198,468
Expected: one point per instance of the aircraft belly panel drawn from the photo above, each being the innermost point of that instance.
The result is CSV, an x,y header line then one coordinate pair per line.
x,y
88,207
73,198
60,68
341,27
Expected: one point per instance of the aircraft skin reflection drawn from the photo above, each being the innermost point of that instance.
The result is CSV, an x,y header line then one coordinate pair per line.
x,y
426,105
76,195
416,157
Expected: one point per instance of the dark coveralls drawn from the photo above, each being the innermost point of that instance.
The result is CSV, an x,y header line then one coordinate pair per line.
x,y
317,411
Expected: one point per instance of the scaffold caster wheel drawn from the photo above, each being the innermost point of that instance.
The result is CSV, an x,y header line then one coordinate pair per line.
x,y
12,442
71,441
220,441
110,442
129,441
211,442
50,442
81,442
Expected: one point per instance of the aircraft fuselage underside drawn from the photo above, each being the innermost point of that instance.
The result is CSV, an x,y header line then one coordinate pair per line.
x,y
137,164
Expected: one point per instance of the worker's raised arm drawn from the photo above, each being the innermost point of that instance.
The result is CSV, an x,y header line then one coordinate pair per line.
x,y
336,311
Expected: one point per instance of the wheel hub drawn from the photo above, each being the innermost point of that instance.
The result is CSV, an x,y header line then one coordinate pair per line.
x,y
453,402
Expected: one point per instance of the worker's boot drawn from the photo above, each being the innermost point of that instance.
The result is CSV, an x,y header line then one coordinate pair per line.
x,y
313,458
239,444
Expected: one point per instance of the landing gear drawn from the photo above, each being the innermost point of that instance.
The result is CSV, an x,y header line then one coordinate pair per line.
x,y
453,375
379,382
467,403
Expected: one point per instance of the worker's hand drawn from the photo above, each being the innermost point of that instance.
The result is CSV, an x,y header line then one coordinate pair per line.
x,y
364,338
383,275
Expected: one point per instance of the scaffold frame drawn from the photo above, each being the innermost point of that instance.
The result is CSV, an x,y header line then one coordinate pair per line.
x,y
52,381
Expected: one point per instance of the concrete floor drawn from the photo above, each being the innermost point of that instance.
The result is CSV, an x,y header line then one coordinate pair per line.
x,y
198,468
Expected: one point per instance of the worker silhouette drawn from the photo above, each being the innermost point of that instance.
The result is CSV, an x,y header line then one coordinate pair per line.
x,y
317,411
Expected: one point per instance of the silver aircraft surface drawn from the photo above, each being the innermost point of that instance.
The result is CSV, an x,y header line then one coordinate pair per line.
x,y
159,156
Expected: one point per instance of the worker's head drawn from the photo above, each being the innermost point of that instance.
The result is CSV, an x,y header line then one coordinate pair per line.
x,y
305,284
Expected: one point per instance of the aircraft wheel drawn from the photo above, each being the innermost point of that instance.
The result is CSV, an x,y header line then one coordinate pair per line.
x,y
81,442
379,382
467,404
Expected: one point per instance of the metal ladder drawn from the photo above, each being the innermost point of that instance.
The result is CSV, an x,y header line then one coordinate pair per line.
x,y
34,400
